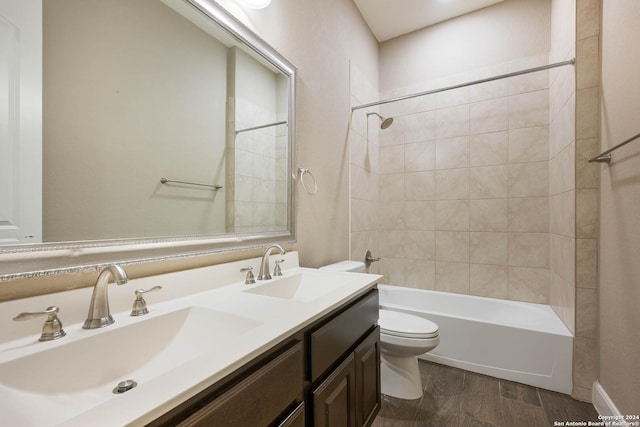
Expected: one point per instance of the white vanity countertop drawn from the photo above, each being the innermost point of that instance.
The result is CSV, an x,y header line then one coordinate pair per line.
x,y
220,288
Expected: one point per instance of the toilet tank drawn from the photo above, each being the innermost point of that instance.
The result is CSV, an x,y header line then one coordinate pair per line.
x,y
352,266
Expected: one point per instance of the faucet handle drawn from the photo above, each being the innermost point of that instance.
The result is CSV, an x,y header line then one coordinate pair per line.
x,y
277,271
249,280
368,259
140,305
52,328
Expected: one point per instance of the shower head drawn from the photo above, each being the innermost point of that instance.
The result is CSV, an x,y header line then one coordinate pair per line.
x,y
386,121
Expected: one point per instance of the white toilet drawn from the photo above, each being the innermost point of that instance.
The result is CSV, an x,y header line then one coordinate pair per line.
x,y
403,338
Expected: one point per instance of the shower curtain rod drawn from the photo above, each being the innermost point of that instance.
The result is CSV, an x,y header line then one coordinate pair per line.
x,y
475,82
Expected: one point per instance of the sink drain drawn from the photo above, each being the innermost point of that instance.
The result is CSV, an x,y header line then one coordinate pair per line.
x,y
124,386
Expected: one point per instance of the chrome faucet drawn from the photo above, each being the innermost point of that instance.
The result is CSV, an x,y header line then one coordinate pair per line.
x,y
264,265
99,315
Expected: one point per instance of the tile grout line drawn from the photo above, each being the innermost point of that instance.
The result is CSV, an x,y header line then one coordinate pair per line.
x,y
543,406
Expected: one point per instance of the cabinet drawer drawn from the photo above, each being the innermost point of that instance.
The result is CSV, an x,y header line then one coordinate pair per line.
x,y
329,342
260,398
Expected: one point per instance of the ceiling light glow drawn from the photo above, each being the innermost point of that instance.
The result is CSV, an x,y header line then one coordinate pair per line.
x,y
256,4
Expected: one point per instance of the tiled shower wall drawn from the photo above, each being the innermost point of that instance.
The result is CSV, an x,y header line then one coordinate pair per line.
x,y
574,131
256,190
587,196
364,177
562,163
259,172
413,195
462,198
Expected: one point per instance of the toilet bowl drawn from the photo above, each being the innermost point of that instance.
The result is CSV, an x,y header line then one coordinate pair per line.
x,y
403,338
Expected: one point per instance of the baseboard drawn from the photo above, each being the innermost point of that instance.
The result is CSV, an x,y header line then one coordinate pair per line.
x,y
602,402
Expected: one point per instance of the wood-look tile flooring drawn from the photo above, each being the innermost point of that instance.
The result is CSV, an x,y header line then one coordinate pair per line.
x,y
457,398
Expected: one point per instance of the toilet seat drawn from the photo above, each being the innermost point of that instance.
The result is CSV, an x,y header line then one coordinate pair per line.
x,y
405,325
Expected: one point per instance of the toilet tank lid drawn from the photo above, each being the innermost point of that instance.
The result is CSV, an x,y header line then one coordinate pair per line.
x,y
346,265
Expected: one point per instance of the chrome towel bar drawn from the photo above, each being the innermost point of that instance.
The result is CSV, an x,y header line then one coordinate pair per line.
x,y
215,187
261,126
605,156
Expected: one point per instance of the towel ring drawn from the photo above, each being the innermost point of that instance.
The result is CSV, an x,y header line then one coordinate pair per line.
x,y
301,173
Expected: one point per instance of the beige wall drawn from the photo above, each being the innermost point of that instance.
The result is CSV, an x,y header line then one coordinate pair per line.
x,y
619,339
500,33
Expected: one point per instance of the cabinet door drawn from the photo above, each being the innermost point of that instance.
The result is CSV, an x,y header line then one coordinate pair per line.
x,y
367,367
295,419
334,398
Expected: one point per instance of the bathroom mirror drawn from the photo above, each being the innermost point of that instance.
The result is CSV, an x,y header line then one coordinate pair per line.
x,y
167,130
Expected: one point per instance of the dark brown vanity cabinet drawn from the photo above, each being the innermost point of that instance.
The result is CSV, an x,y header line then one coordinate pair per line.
x,y
334,400
345,366
366,359
268,392
295,419
327,375
350,396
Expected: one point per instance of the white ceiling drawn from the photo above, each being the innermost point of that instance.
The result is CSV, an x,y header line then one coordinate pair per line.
x,y
392,18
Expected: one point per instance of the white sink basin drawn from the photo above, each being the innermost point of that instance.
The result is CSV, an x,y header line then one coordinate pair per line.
x,y
141,350
303,287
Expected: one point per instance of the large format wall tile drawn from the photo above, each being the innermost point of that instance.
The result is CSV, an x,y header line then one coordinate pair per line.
x,y
529,179
465,175
452,277
489,149
529,284
488,247
488,215
452,121
529,109
489,280
419,156
489,116
452,152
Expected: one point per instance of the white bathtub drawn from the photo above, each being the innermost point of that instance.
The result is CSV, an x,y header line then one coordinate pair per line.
x,y
517,341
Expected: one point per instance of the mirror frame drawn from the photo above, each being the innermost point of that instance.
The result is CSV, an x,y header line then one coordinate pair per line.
x,y
46,259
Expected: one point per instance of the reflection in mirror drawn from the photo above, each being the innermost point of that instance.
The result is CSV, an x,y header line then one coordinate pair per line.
x,y
258,171
135,92
161,119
